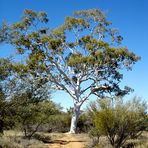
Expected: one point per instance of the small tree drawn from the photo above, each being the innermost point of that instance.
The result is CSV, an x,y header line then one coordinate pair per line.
x,y
119,122
81,57
29,114
29,103
4,73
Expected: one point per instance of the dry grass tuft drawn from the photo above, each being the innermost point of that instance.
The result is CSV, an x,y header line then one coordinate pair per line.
x,y
15,139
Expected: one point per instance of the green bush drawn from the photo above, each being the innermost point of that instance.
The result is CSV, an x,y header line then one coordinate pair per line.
x,y
119,121
61,122
84,123
29,115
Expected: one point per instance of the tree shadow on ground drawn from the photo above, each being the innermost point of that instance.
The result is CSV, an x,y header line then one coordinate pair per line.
x,y
64,142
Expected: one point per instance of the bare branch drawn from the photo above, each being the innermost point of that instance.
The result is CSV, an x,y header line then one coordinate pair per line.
x,y
85,97
84,90
63,73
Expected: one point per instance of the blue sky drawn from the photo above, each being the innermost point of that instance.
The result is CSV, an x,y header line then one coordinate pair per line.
x,y
130,17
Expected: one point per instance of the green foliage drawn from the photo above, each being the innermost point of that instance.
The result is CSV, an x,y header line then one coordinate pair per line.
x,y
71,22
5,68
85,47
5,72
43,44
61,122
2,110
29,114
119,121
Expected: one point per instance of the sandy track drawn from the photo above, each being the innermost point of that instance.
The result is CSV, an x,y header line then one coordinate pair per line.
x,y
69,141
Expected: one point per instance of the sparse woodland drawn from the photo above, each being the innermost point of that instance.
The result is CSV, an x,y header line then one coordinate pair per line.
x,y
83,57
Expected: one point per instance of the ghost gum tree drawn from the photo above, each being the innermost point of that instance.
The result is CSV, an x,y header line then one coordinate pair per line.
x,y
82,57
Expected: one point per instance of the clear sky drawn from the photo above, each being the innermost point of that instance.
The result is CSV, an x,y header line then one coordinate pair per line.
x,y
129,16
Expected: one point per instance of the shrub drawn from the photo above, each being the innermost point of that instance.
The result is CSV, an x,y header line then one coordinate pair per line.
x,y
59,123
29,115
119,121
9,142
15,139
84,123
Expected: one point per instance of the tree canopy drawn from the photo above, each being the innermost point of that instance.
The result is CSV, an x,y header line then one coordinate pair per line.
x,y
82,57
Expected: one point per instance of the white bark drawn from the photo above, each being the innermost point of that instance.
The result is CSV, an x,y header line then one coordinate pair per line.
x,y
74,119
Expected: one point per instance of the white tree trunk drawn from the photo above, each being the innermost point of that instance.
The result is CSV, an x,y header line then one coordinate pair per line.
x,y
74,118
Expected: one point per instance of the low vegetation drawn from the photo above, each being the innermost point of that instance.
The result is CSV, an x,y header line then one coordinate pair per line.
x,y
118,121
15,139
